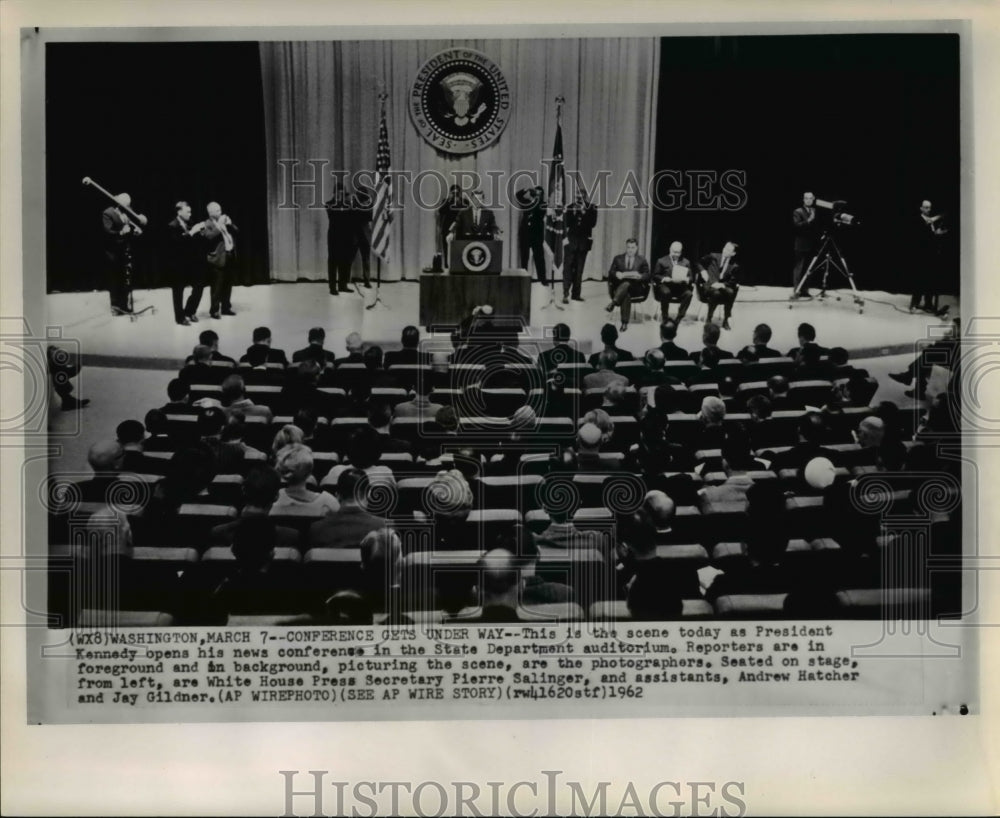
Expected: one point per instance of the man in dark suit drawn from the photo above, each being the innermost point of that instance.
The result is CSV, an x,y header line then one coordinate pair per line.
x,y
531,229
118,235
179,392
354,346
410,354
670,350
628,278
609,337
563,352
476,221
581,218
347,527
200,369
260,351
219,235
807,233
710,338
807,339
758,349
260,490
447,213
185,266
315,351
666,289
345,235
718,281
210,338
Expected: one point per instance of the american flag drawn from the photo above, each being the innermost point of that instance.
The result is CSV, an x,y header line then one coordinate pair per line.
x,y
555,224
383,194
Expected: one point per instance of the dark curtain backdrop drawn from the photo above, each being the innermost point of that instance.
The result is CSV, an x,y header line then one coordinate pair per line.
x,y
873,119
162,121
321,103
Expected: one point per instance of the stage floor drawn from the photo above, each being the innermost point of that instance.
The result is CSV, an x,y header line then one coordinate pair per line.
x,y
155,341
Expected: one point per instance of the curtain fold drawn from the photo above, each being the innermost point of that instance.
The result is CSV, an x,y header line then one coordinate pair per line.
x,y
321,110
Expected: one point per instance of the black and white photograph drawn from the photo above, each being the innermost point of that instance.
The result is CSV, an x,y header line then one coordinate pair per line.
x,y
394,378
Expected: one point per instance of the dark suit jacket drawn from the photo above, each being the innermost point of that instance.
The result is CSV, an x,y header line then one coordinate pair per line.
x,y
113,221
638,287
672,352
796,352
711,264
353,358
270,355
313,352
665,267
344,529
406,357
466,228
532,219
761,350
723,354
183,250
623,355
806,232
580,223
560,354
217,255
216,356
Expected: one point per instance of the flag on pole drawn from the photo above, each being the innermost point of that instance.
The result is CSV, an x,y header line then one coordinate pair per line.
x,y
381,215
555,223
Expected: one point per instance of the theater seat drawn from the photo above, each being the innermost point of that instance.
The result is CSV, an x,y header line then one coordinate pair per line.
x,y
218,562
514,491
225,490
150,578
552,612
885,603
751,606
612,611
328,570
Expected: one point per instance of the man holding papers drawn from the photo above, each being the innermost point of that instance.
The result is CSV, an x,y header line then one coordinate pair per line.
x,y
673,280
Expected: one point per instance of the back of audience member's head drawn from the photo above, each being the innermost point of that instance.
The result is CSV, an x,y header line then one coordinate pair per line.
x,y
500,578
666,399
294,464
351,483
614,394
759,407
659,508
609,335
778,384
838,356
317,335
260,487
305,419
308,371
211,419
353,342
410,337
713,410
235,429
189,472
253,543
589,438
202,354
106,456
871,432
602,420
711,334
130,432
524,417
347,608
638,531
806,333
447,419
155,422
209,338
561,333
232,389
373,357
287,435
608,359
766,527
381,554
749,355
710,357
257,356
177,390
379,412
261,334
448,496
654,360
668,330
810,355
762,334
364,447
812,428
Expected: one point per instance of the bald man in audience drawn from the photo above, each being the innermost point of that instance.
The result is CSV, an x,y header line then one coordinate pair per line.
x,y
106,458
354,346
711,435
661,511
588,450
870,435
653,374
605,374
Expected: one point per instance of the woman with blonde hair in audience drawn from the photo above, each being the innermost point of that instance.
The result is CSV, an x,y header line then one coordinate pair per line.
x,y
288,435
295,464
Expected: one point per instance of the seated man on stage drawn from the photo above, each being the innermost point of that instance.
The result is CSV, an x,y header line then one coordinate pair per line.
x,y
718,281
628,278
673,280
476,221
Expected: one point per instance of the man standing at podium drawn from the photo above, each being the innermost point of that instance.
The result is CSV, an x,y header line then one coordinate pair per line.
x,y
476,221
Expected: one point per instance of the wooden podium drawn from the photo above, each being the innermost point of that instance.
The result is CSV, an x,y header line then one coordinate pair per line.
x,y
447,298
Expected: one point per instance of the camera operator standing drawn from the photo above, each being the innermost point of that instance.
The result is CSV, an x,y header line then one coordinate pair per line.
x,y
807,232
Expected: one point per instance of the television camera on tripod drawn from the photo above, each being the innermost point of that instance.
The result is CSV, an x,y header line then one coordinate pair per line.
x,y
829,257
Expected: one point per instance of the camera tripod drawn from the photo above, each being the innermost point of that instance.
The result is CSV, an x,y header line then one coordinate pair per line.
x,y
829,258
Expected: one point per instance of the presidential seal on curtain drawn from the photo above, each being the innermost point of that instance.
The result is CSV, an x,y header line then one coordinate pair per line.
x,y
460,101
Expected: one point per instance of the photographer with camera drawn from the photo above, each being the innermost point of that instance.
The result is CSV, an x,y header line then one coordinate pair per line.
x,y
807,232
